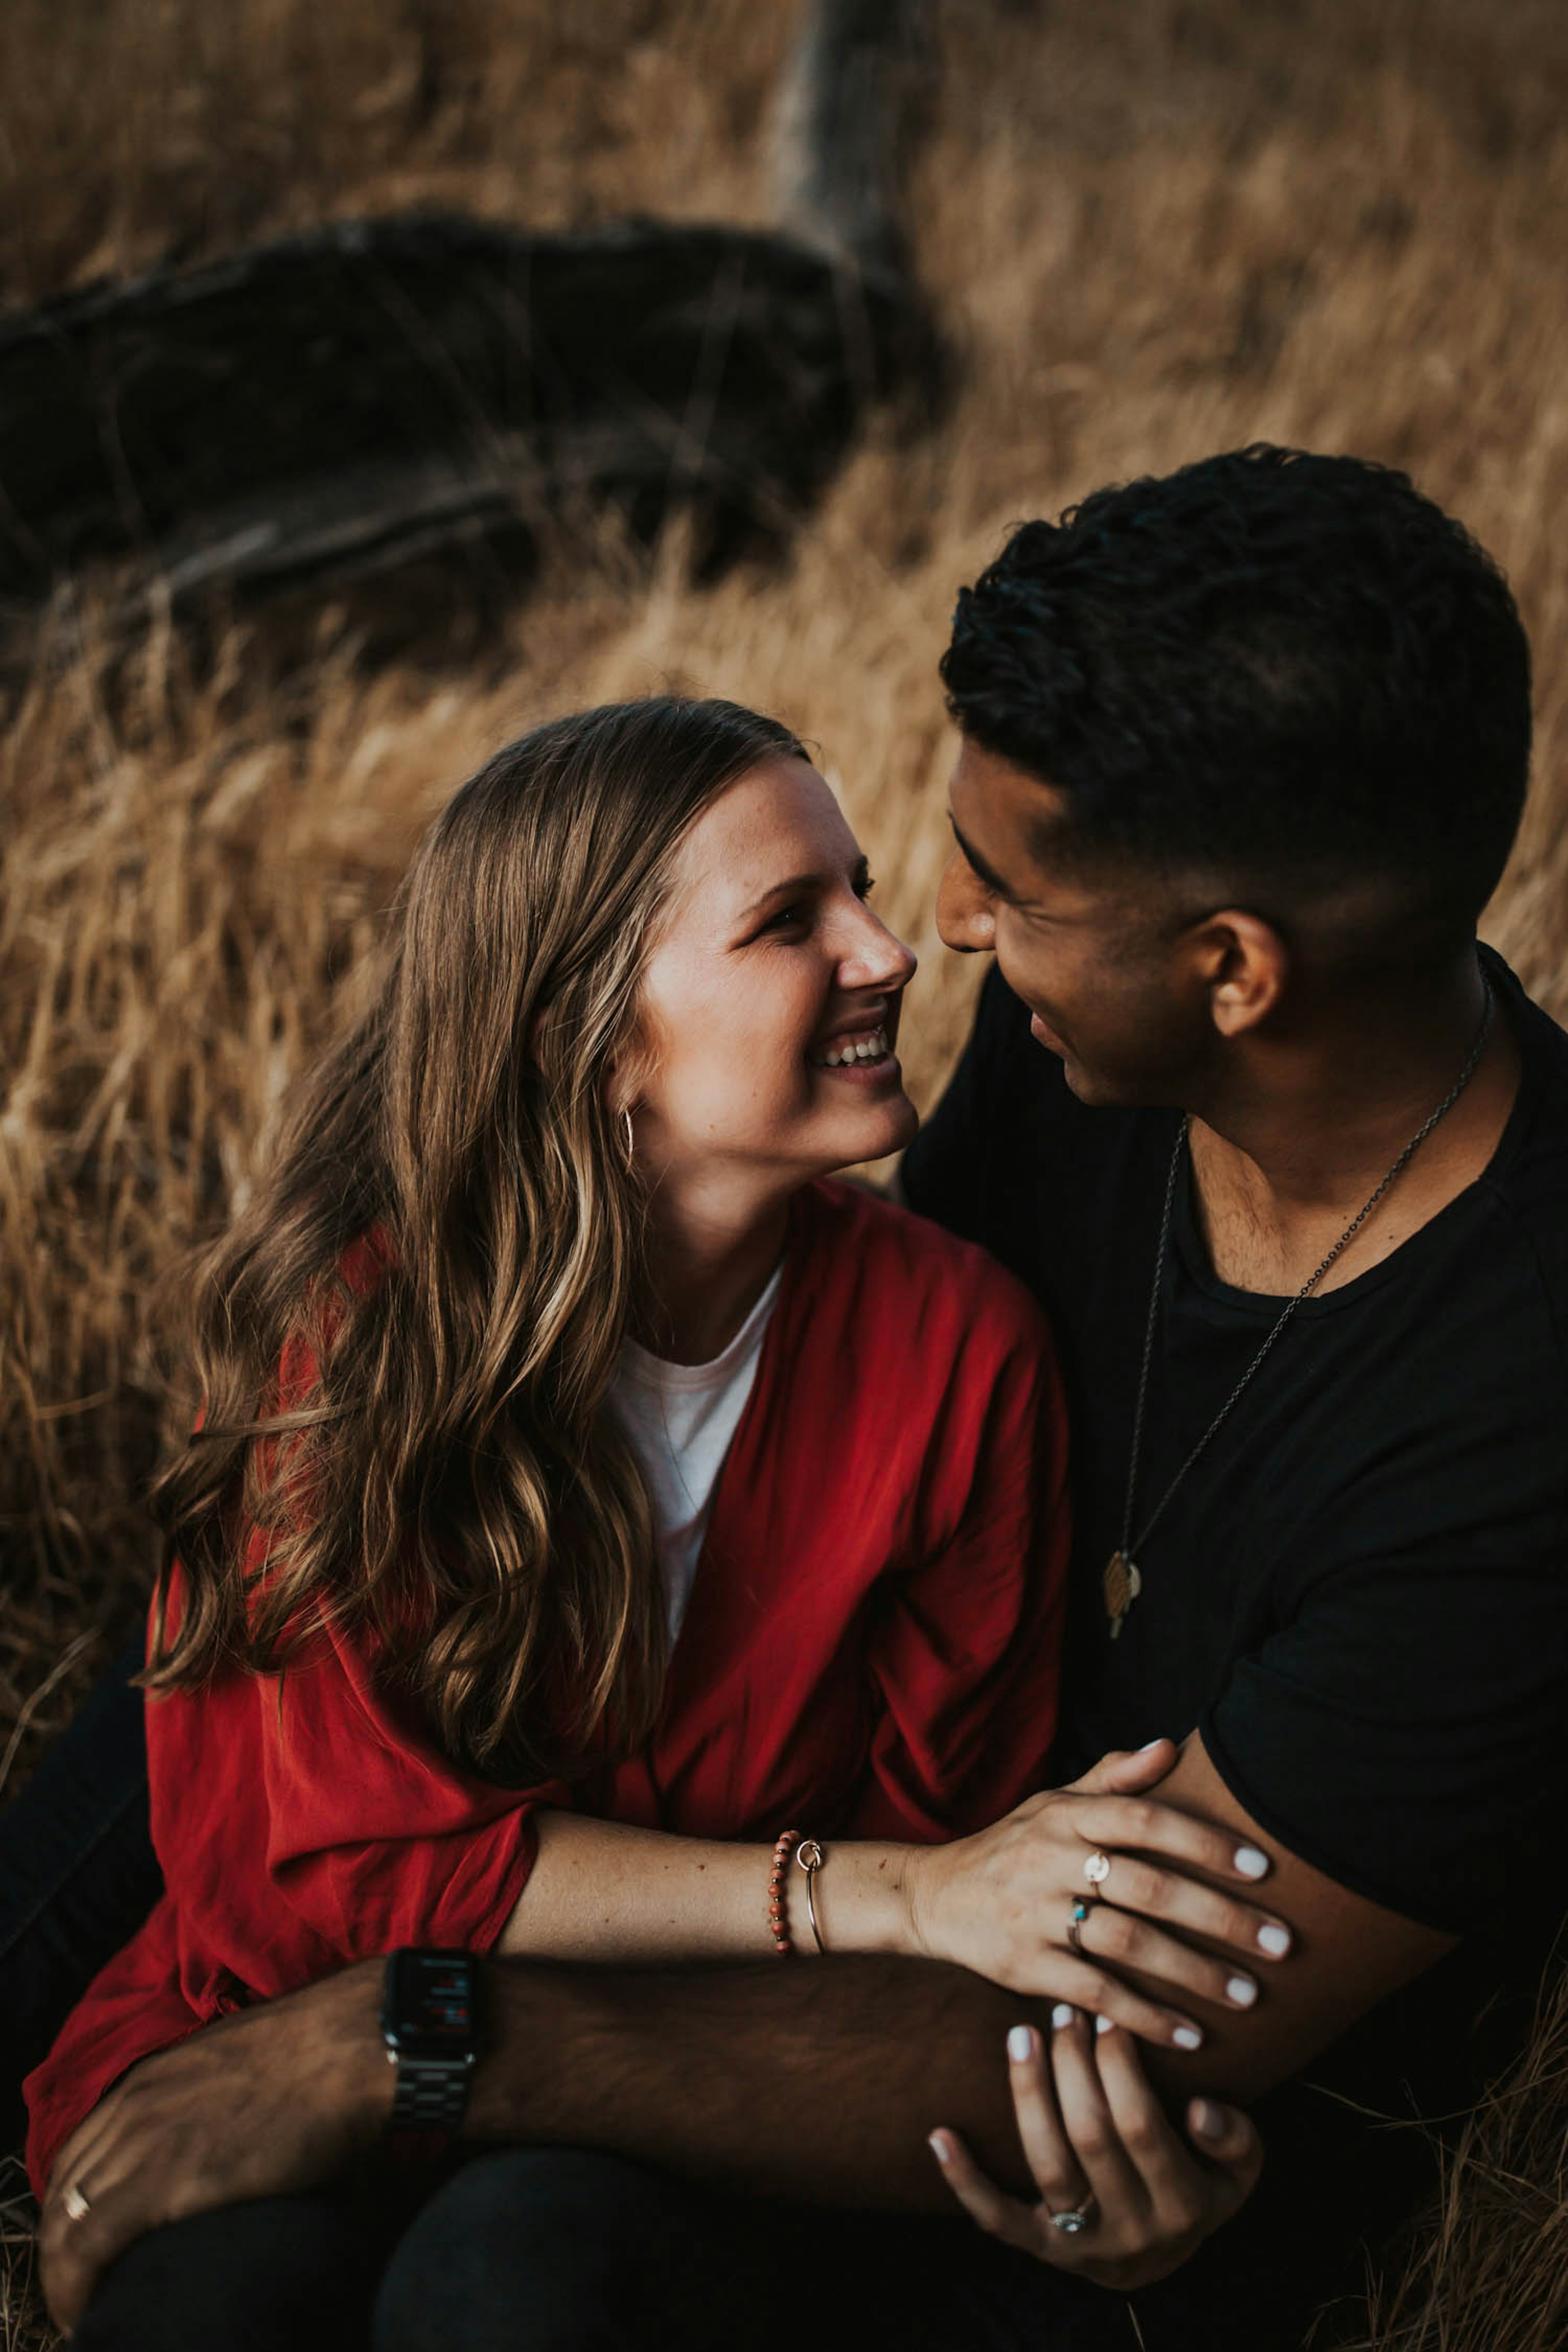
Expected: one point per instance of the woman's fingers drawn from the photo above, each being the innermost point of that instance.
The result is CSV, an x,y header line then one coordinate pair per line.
x,y
1186,2194
1048,2152
1075,1980
1099,2143
1230,2140
1123,1940
1199,1910
1125,1771
1000,2215
1090,2127
1172,2182
1142,1825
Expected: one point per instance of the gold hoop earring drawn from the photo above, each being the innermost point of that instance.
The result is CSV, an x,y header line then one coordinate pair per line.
x,y
631,1136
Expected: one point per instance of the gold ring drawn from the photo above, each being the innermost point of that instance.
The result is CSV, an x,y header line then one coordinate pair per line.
x,y
73,2204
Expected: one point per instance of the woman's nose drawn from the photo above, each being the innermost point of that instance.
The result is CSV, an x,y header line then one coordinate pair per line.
x,y
965,918
874,957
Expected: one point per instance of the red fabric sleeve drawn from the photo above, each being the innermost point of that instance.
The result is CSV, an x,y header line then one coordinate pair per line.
x,y
374,1837
964,1663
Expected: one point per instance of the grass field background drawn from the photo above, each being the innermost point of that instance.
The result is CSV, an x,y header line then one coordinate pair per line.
x,y
1152,228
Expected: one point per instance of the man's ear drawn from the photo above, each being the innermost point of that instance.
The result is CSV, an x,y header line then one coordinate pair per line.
x,y
1245,964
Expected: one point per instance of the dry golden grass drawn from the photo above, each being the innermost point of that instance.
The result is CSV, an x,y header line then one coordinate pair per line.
x,y
1155,228
1491,2273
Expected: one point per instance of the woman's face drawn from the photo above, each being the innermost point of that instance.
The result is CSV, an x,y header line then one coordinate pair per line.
x,y
770,995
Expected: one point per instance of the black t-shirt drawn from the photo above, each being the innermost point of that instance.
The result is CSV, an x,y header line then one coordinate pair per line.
x,y
1359,1594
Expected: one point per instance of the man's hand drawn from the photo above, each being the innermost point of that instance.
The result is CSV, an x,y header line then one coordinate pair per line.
x,y
1099,2143
275,2098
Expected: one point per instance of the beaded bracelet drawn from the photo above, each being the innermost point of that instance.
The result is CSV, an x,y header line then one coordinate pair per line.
x,y
778,1921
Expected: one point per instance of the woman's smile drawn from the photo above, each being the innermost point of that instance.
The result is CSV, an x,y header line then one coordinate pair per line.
x,y
864,1054
859,1047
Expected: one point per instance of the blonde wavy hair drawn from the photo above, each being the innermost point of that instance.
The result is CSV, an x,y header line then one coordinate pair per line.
x,y
433,1469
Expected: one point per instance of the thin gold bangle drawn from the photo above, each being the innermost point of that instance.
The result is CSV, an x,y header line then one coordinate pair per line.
x,y
809,1856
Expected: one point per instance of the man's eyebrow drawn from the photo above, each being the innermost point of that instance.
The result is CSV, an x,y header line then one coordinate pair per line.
x,y
860,875
989,874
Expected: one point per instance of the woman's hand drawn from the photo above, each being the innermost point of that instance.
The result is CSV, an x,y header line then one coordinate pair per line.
x,y
1003,1902
1100,2145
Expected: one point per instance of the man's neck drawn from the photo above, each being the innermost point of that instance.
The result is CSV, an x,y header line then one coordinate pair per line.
x,y
1302,1131
712,1249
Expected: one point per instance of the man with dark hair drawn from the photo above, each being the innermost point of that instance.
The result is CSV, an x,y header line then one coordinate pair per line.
x,y
1291,672
1243,752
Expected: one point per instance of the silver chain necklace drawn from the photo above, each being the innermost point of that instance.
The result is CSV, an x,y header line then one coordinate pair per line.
x,y
1124,1580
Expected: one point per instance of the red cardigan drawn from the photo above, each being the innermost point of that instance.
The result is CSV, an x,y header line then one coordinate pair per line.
x,y
870,1650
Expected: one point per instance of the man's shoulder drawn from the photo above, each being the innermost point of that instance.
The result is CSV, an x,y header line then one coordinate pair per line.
x,y
1527,1183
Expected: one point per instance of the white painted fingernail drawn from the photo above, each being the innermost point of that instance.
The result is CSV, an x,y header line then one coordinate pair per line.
x,y
1152,1743
1103,2024
1063,2014
1242,1991
1187,2037
939,2148
1250,1862
1020,2045
1276,1940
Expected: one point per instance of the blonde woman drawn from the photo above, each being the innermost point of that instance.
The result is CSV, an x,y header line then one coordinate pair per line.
x,y
589,1501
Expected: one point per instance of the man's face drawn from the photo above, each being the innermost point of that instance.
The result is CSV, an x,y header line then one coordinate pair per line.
x,y
1095,959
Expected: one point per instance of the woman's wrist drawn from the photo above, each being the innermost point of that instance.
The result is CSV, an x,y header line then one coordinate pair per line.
x,y
862,1892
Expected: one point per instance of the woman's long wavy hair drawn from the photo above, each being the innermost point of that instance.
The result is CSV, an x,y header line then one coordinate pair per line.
x,y
434,1470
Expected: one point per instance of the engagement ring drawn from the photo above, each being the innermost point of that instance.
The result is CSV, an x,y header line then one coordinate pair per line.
x,y
1078,2218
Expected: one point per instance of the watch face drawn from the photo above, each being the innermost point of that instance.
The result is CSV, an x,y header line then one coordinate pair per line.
x,y
429,2004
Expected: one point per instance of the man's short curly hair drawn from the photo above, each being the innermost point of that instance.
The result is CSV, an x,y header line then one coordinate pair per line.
x,y
1292,671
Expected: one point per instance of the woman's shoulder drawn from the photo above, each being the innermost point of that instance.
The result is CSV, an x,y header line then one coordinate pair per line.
x,y
917,1267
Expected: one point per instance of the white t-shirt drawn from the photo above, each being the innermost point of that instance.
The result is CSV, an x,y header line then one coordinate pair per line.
x,y
680,1418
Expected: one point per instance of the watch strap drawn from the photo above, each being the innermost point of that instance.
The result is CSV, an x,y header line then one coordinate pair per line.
x,y
431,2093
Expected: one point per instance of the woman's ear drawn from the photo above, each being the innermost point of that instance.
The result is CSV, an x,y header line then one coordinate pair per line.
x,y
1246,965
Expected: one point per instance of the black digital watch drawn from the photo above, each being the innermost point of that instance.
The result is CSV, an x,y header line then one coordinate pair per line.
x,y
429,2022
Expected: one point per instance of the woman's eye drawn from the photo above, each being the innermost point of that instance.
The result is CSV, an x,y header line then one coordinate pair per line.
x,y
786,919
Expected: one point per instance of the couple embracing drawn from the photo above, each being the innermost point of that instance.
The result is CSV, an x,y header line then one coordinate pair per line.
x,y
840,1712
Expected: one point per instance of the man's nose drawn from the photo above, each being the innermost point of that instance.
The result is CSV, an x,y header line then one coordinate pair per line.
x,y
964,915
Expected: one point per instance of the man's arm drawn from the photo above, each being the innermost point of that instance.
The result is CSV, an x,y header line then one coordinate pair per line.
x,y
818,2082
852,2065
1348,1955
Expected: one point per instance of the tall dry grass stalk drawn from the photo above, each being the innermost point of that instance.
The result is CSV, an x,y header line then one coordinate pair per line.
x,y
1155,228
1489,2272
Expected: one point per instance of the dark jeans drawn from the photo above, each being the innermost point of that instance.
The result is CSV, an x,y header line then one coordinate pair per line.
x,y
563,2250
77,1875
